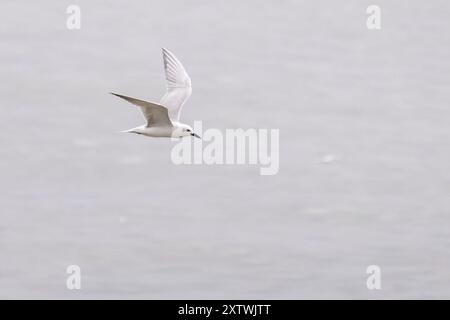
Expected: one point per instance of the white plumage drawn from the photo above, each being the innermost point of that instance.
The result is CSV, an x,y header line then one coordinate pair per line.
x,y
163,119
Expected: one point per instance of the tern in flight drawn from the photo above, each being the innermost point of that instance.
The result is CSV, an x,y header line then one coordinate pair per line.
x,y
163,119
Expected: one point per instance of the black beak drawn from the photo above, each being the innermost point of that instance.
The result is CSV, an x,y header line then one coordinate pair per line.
x,y
195,135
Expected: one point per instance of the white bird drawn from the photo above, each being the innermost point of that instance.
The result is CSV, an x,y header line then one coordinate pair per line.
x,y
163,119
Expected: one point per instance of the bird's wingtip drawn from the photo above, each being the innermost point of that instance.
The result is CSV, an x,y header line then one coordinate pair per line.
x,y
165,50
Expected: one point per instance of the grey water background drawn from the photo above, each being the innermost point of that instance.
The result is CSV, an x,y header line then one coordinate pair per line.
x,y
364,151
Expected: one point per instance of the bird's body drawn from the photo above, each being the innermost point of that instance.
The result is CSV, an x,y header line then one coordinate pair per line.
x,y
176,130
163,118
156,132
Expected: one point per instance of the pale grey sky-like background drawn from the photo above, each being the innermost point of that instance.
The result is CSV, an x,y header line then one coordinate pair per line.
x,y
364,151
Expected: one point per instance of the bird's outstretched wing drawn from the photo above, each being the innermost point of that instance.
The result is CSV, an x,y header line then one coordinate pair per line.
x,y
155,114
178,85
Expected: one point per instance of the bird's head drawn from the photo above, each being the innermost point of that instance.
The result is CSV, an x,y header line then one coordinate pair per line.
x,y
185,130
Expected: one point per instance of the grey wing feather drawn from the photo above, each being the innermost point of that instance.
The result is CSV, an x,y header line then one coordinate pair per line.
x,y
155,114
178,85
